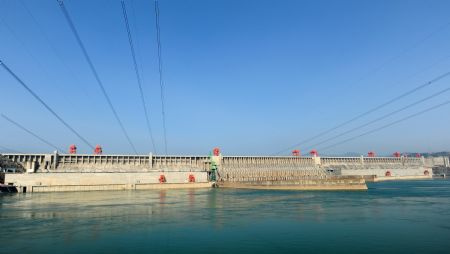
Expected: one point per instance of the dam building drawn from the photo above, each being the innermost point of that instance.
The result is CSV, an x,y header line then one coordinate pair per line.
x,y
83,172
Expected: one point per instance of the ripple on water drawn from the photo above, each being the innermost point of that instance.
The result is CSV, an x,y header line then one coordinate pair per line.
x,y
390,217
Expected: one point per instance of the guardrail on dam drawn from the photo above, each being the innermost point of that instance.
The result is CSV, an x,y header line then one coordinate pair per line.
x,y
235,165
40,163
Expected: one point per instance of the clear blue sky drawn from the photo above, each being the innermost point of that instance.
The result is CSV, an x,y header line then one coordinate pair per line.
x,y
252,77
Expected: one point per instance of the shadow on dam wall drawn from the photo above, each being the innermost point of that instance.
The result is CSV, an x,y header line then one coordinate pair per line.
x,y
441,171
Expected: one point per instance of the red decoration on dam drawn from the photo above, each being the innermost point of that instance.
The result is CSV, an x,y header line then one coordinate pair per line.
x,y
314,153
216,151
191,178
162,179
397,154
371,154
73,149
98,149
296,153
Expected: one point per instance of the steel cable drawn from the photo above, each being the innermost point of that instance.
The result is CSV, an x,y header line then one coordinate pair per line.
x,y
138,77
160,69
31,133
44,104
94,71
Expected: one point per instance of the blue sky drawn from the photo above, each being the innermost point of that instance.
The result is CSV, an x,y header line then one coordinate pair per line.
x,y
251,77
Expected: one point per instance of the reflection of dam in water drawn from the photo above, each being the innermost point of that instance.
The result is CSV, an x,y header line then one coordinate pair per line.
x,y
163,206
78,172
201,220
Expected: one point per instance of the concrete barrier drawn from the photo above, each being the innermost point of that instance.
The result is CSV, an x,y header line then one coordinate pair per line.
x,y
44,182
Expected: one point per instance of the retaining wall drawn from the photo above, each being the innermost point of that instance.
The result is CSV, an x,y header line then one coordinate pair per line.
x,y
43,182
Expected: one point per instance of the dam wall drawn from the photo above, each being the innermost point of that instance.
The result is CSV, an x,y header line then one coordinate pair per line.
x,y
282,173
441,161
322,183
387,168
241,168
65,163
49,182
64,172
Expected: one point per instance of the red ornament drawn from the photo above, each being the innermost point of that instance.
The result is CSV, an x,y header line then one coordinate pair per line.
x,y
98,150
314,152
73,149
216,151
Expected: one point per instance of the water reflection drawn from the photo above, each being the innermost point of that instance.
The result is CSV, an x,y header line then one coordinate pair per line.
x,y
212,216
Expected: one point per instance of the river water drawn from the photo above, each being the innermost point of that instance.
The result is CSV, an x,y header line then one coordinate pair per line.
x,y
390,217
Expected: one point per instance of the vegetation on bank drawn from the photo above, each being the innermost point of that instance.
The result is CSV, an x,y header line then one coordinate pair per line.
x,y
6,163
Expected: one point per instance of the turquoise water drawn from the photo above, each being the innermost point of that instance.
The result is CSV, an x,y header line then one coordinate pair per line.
x,y
391,217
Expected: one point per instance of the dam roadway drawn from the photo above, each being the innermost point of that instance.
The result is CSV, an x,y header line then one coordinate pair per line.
x,y
83,172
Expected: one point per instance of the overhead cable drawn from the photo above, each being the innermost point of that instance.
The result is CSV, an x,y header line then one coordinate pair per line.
x,y
138,76
94,71
31,133
382,117
160,69
386,126
8,149
44,104
426,84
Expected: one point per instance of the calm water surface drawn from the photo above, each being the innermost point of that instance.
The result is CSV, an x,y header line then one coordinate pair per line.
x,y
391,217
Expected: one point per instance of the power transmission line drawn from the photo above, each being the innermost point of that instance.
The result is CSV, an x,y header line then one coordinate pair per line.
x,y
26,49
136,29
8,149
160,69
138,77
382,117
94,71
52,46
44,104
36,60
428,83
31,133
403,52
387,125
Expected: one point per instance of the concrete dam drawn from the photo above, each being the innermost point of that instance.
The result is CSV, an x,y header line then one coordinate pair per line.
x,y
82,172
